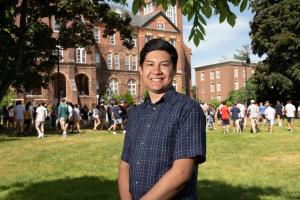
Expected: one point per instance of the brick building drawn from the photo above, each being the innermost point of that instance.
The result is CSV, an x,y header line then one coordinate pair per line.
x,y
109,67
216,81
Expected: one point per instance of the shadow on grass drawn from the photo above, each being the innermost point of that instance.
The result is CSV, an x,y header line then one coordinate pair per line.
x,y
208,189
6,139
87,187
83,188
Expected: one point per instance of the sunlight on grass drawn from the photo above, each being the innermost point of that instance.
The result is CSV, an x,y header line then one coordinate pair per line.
x,y
239,166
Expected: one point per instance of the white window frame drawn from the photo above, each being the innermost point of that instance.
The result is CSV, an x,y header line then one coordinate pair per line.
x,y
109,60
173,41
244,73
171,13
219,97
218,74
236,85
236,73
212,87
160,26
97,34
98,60
60,53
149,7
148,38
116,61
131,86
134,62
134,40
212,75
114,85
202,76
127,62
80,55
112,39
218,87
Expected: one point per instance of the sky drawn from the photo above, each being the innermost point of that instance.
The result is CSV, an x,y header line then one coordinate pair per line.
x,y
221,41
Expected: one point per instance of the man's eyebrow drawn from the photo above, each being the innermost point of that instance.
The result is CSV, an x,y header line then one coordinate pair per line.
x,y
160,61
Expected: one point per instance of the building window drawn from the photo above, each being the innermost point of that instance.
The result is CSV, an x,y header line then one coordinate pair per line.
x,y
127,62
149,7
218,74
109,60
212,87
148,38
80,55
134,40
112,39
97,35
236,85
212,97
171,13
218,87
219,98
97,87
117,61
134,62
160,26
98,60
131,86
114,86
202,76
56,25
174,83
60,53
173,41
212,75
236,73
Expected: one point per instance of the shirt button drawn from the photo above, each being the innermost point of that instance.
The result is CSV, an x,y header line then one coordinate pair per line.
x,y
148,126
154,108
142,143
138,162
136,182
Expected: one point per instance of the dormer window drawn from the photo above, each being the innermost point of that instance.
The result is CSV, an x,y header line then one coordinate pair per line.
x,y
149,8
171,13
160,26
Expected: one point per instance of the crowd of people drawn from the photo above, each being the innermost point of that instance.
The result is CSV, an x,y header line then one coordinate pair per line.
x,y
258,114
65,117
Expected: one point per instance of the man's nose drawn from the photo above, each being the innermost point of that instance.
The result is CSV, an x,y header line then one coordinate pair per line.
x,y
157,69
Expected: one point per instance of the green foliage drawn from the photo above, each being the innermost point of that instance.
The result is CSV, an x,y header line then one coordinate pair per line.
x,y
243,54
199,11
128,98
7,98
146,94
275,33
28,50
215,102
241,96
118,97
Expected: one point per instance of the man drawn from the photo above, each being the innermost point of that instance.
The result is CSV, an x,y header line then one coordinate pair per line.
x,y
254,115
278,112
63,115
19,115
165,135
290,114
270,116
242,115
235,117
225,115
41,114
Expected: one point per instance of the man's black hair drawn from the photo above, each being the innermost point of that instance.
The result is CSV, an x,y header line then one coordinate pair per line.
x,y
162,45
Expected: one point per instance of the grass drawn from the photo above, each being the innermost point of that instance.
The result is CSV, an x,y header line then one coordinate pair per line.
x,y
239,166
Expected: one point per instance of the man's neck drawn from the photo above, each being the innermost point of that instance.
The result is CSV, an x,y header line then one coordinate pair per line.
x,y
155,97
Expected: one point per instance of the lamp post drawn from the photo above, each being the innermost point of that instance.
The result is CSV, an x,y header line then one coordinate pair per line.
x,y
245,91
58,86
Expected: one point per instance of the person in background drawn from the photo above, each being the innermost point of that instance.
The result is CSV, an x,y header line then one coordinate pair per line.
x,y
41,114
254,115
235,117
242,115
225,116
27,118
63,115
5,114
19,116
96,117
116,117
76,118
262,109
290,110
279,112
270,116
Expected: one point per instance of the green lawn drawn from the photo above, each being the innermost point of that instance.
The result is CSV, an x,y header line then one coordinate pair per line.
x,y
239,166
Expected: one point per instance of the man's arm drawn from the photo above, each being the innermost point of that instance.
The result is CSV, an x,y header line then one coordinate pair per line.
x,y
123,181
173,181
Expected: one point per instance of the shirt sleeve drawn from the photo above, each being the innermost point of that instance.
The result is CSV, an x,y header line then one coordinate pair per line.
x,y
191,135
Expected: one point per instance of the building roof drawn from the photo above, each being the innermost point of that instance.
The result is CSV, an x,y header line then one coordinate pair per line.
x,y
226,63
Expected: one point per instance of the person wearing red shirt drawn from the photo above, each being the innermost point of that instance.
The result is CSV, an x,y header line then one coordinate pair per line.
x,y
225,114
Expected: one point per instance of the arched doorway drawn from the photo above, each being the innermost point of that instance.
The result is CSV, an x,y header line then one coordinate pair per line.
x,y
59,88
82,83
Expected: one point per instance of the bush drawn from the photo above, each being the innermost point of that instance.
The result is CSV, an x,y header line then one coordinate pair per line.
x,y
128,98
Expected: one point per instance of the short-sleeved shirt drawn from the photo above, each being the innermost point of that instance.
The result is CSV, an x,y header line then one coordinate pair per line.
x,y
117,111
157,135
278,109
290,110
63,111
41,112
224,112
262,110
235,113
270,113
253,111
19,112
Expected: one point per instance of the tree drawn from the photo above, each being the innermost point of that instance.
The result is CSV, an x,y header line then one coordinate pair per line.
x,y
243,54
275,33
128,98
198,11
28,50
239,95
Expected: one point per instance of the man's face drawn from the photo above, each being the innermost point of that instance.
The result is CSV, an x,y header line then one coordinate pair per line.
x,y
157,71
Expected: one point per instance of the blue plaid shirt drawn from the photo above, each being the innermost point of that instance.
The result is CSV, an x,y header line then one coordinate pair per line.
x,y
157,135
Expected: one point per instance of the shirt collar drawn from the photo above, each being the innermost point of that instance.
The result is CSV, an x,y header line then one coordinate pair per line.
x,y
168,97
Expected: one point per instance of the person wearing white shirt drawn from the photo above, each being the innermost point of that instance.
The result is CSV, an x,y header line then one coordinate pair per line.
x,y
270,116
290,114
242,114
41,112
